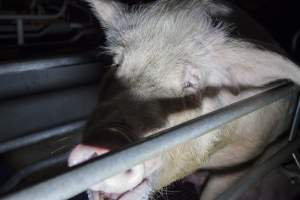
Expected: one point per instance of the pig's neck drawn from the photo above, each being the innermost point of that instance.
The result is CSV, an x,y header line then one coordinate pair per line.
x,y
180,161
208,104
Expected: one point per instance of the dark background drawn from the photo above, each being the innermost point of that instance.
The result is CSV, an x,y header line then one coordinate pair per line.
x,y
77,31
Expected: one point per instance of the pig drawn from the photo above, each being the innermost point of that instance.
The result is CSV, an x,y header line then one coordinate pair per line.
x,y
173,61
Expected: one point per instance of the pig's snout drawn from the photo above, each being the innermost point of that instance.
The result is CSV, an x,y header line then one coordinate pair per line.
x,y
82,153
112,187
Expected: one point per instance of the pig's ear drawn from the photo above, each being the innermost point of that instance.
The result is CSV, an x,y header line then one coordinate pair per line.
x,y
107,11
250,67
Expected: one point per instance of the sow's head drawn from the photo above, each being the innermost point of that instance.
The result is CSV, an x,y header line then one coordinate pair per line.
x,y
165,54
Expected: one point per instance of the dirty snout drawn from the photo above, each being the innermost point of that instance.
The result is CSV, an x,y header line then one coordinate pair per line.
x,y
134,183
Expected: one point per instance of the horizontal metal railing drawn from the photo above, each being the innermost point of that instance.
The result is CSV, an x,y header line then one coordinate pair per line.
x,y
47,63
39,17
82,177
274,161
40,136
20,20
27,171
258,172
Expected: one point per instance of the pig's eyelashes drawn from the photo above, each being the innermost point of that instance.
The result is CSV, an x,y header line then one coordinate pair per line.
x,y
188,85
189,88
120,133
121,129
115,65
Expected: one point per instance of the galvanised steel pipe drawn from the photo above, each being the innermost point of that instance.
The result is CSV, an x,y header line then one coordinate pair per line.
x,y
40,136
47,63
36,17
31,169
82,177
257,173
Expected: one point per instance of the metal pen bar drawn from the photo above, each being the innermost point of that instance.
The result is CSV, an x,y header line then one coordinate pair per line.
x,y
42,64
40,136
296,120
20,31
257,173
36,17
31,169
294,130
82,177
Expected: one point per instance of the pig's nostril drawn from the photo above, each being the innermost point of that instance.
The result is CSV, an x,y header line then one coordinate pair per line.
x,y
129,171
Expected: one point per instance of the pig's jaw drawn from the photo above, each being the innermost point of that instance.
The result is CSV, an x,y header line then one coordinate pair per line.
x,y
118,188
134,184
139,192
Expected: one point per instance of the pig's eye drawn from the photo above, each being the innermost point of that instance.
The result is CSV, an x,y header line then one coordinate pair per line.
x,y
117,59
115,65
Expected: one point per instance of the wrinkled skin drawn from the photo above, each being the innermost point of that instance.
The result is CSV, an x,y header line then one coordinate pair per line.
x,y
173,63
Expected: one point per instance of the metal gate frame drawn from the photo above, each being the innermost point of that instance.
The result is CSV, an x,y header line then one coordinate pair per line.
x,y
80,178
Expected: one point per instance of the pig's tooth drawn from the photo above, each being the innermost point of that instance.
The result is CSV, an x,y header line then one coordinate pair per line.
x,y
101,197
139,192
92,195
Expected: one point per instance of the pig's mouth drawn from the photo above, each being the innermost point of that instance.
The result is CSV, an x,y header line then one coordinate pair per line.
x,y
131,184
134,193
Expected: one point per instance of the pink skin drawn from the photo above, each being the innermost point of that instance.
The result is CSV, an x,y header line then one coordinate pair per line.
x,y
131,184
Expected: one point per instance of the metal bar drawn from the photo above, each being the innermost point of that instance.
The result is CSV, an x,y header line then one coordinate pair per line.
x,y
36,17
259,172
55,28
294,130
40,136
82,177
46,63
296,157
296,120
31,169
20,32
34,113
32,82
295,42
